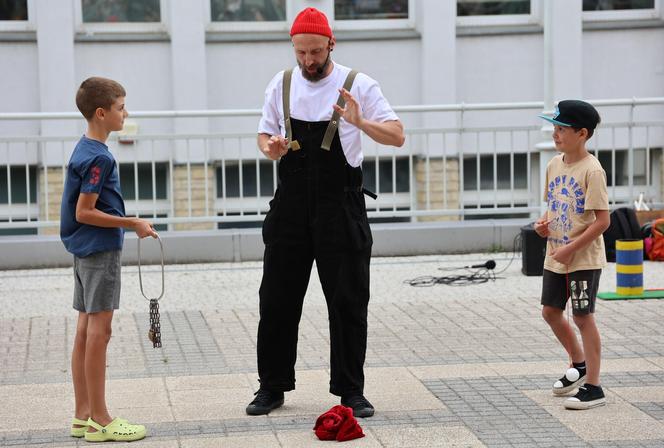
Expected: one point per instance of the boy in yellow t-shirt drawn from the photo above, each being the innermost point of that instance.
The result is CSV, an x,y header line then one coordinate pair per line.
x,y
577,215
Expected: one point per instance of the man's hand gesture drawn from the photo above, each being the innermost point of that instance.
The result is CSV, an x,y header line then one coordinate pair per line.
x,y
351,112
277,146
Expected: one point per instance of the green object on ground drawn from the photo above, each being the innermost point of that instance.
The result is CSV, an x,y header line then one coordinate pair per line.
x,y
647,294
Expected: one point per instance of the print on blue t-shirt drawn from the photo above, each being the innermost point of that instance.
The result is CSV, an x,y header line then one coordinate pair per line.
x,y
564,197
91,169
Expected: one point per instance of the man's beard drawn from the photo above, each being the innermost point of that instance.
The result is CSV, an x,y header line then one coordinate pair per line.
x,y
319,73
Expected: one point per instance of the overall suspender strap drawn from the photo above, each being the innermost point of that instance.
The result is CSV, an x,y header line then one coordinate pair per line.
x,y
334,121
294,145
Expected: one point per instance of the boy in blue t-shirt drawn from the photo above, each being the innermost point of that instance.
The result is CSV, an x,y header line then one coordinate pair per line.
x,y
92,223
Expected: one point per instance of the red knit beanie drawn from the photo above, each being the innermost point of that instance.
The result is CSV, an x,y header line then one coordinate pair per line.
x,y
311,21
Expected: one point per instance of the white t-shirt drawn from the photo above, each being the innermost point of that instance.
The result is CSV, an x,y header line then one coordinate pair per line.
x,y
313,101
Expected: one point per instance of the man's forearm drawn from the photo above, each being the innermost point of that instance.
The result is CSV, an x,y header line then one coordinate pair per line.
x,y
262,140
386,133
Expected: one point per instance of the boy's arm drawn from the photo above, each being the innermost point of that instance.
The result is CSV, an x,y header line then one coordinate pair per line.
x,y
595,230
86,213
542,225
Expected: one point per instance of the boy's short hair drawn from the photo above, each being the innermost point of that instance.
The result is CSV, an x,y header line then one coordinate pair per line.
x,y
97,92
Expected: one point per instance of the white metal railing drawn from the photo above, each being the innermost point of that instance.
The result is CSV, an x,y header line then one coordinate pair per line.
x,y
455,163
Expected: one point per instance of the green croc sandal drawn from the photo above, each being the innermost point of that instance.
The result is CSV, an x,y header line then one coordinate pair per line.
x,y
78,432
118,430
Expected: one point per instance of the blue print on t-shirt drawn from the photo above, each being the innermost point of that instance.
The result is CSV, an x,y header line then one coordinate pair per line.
x,y
564,197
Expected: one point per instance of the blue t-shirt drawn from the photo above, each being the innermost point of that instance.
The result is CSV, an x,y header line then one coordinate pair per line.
x,y
92,169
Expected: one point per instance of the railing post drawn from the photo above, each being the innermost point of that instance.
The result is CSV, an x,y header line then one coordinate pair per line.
x,y
460,152
630,149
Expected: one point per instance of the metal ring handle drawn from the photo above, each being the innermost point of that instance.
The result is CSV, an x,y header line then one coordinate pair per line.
x,y
140,279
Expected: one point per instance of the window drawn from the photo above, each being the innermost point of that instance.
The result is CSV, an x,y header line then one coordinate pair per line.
x,y
13,9
492,8
96,11
97,18
370,15
470,216
239,224
385,176
157,227
247,10
604,5
601,10
18,184
622,164
128,184
19,230
502,172
17,15
472,13
370,9
230,176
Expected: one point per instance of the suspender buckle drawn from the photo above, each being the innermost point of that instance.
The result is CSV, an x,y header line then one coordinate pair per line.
x,y
294,145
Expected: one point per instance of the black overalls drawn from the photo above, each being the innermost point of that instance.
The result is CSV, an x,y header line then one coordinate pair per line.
x,y
318,213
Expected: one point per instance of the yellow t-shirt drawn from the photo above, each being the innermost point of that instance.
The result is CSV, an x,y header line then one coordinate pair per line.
x,y
573,191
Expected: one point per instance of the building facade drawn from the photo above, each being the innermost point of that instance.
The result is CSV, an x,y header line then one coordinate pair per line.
x,y
197,55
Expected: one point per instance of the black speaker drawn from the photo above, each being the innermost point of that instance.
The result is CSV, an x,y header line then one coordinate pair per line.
x,y
533,250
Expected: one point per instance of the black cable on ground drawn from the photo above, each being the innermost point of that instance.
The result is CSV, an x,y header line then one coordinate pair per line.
x,y
478,276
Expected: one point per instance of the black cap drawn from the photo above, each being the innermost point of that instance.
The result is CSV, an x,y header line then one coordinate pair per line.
x,y
574,113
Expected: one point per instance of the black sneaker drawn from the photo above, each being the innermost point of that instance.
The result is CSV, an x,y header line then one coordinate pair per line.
x,y
264,402
587,397
570,381
360,405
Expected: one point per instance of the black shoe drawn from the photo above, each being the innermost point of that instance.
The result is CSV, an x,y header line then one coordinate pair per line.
x,y
587,397
570,381
264,402
360,405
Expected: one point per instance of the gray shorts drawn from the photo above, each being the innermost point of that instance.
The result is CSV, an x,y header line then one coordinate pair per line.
x,y
97,282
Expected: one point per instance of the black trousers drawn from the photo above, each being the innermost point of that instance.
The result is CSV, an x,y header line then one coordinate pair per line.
x,y
345,280
318,214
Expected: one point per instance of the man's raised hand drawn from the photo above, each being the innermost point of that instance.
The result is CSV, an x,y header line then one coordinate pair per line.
x,y
351,111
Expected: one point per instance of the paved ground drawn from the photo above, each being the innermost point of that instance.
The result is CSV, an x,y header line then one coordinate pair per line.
x,y
466,366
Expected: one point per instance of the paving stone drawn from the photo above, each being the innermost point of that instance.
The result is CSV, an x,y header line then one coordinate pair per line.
x,y
476,361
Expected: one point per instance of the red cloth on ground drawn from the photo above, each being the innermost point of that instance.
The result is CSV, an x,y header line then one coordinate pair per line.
x,y
338,424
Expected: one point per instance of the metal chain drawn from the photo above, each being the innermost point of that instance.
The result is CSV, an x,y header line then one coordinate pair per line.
x,y
154,334
155,327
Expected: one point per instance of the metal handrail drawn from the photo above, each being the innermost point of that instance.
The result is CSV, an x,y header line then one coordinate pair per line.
x,y
460,107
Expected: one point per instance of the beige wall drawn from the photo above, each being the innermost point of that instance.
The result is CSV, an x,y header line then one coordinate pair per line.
x,y
181,195
443,187
50,195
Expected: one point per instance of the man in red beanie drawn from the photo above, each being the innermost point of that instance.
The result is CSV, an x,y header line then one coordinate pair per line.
x,y
312,121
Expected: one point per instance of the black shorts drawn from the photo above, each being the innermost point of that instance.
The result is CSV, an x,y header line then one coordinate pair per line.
x,y
582,288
